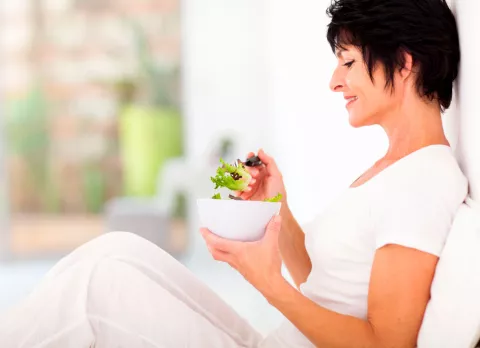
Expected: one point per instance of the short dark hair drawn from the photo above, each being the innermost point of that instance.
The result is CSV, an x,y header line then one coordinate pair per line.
x,y
385,29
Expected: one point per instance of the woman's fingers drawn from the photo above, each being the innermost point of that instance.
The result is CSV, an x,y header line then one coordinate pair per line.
x,y
247,195
250,154
253,171
269,163
258,174
249,191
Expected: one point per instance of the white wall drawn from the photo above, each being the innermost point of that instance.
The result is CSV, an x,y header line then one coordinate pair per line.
x,y
225,85
317,150
224,72
464,121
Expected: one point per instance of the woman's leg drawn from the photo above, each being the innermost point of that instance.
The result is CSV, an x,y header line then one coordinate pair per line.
x,y
120,290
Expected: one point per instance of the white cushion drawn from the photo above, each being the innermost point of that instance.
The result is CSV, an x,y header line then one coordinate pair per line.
x,y
452,317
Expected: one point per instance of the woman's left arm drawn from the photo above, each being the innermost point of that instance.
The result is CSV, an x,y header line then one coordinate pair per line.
x,y
399,292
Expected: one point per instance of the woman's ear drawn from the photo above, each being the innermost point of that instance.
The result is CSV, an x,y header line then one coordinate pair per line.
x,y
407,66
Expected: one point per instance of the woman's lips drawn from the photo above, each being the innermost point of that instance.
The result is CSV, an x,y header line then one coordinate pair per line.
x,y
350,100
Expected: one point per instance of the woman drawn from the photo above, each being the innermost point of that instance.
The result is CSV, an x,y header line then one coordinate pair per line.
x,y
363,270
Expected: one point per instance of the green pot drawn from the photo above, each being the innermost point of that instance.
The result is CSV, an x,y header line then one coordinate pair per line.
x,y
148,137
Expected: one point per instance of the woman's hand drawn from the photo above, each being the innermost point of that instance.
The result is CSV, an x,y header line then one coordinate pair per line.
x,y
267,181
258,262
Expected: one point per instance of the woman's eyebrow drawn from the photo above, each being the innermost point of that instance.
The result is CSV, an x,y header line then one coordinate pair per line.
x,y
339,52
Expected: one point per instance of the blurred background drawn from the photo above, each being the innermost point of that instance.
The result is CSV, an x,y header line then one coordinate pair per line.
x,y
114,115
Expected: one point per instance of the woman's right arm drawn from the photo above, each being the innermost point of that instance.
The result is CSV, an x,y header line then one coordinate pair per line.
x,y
268,183
292,247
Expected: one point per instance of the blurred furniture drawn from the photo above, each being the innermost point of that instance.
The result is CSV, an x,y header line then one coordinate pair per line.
x,y
139,216
51,236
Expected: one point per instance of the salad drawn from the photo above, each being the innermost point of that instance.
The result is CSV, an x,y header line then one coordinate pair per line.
x,y
235,177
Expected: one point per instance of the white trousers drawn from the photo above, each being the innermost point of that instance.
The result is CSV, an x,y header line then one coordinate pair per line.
x,y
120,290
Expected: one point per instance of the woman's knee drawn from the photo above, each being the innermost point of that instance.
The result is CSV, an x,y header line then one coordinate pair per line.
x,y
120,242
122,245
111,243
118,238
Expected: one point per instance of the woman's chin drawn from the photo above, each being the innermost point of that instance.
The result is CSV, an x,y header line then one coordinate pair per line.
x,y
358,120
355,121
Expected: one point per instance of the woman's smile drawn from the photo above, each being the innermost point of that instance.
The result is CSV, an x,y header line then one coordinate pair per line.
x,y
350,100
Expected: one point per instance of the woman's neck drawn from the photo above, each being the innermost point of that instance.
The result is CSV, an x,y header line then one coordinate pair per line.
x,y
414,125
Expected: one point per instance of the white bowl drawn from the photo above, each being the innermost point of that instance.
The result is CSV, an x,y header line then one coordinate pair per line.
x,y
244,221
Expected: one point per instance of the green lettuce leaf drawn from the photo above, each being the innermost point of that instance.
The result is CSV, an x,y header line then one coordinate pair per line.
x,y
235,178
277,198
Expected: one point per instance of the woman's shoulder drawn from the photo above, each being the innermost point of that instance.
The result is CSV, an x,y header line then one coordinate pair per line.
x,y
418,201
433,172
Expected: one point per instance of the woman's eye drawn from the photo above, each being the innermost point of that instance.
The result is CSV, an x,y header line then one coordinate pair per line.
x,y
349,64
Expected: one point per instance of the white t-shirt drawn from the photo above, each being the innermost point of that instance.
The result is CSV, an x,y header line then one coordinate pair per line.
x,y
411,203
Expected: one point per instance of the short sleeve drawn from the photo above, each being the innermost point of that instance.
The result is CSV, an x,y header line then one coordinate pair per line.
x,y
418,213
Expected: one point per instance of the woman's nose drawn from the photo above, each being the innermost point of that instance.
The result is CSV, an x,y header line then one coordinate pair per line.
x,y
337,81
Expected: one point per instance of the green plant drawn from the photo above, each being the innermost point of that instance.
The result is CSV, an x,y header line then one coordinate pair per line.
x,y
28,138
94,187
150,124
27,129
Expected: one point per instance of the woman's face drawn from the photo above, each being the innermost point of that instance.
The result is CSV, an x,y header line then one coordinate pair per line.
x,y
366,101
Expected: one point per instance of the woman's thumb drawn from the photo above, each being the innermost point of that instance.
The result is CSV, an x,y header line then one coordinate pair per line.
x,y
269,163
